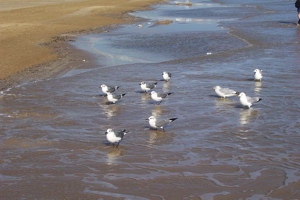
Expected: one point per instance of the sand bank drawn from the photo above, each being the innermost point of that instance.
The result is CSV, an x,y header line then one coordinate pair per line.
x,y
31,30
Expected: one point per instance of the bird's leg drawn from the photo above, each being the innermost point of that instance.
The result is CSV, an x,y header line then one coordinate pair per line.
x,y
117,144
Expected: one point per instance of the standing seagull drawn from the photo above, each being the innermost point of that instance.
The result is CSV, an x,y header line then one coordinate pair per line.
x,y
147,86
155,123
114,97
108,89
159,97
257,75
247,101
115,137
224,92
166,76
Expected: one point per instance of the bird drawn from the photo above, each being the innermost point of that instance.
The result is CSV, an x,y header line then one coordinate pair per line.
x,y
247,101
147,86
159,124
113,98
158,97
224,92
115,137
257,75
166,76
108,89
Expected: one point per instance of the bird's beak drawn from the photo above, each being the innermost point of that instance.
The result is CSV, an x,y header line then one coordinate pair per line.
x,y
105,133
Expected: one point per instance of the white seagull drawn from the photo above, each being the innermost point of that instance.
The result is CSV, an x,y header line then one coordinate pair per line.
x,y
166,76
158,97
156,124
115,137
257,75
247,101
147,86
224,92
108,89
113,98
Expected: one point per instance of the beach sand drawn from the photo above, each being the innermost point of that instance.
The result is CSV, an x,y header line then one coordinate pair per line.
x,y
34,33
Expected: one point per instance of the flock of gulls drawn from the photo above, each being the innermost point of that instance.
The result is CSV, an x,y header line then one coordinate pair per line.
x,y
114,137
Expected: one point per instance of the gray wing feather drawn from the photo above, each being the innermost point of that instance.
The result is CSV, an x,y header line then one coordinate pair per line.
x,y
253,99
160,123
111,89
163,95
120,134
116,96
227,91
150,85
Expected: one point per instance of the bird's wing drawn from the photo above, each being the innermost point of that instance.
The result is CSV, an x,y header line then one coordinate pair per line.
x,y
116,96
150,85
227,91
110,88
120,134
161,123
253,99
163,95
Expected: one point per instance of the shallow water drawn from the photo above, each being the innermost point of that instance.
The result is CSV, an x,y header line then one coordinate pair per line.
x,y
52,135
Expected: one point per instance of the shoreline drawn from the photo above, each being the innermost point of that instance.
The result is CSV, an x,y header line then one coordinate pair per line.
x,y
57,55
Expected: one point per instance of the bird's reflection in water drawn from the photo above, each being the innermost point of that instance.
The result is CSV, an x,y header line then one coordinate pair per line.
x,y
246,115
166,86
157,111
257,86
145,97
224,103
112,155
156,136
109,110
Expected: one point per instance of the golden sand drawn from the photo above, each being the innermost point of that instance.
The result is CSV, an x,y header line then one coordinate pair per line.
x,y
26,26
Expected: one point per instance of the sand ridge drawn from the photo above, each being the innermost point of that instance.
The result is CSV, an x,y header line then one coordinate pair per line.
x,y
26,26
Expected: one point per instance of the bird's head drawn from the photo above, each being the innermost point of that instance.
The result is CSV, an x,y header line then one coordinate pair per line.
x,y
151,118
108,131
217,87
242,94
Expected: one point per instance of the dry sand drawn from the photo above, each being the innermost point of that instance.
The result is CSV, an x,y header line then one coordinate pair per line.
x,y
32,32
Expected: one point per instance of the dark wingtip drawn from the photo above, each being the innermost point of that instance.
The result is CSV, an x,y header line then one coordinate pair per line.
x,y
173,119
259,99
170,93
155,83
123,94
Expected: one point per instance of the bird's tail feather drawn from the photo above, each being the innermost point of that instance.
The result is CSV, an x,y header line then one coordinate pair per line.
x,y
172,119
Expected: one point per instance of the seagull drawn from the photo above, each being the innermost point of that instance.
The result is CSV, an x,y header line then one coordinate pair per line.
x,y
247,101
108,89
158,97
114,97
224,92
147,86
166,76
257,75
115,137
156,124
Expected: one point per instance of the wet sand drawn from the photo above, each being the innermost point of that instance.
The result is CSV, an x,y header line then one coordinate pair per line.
x,y
32,32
